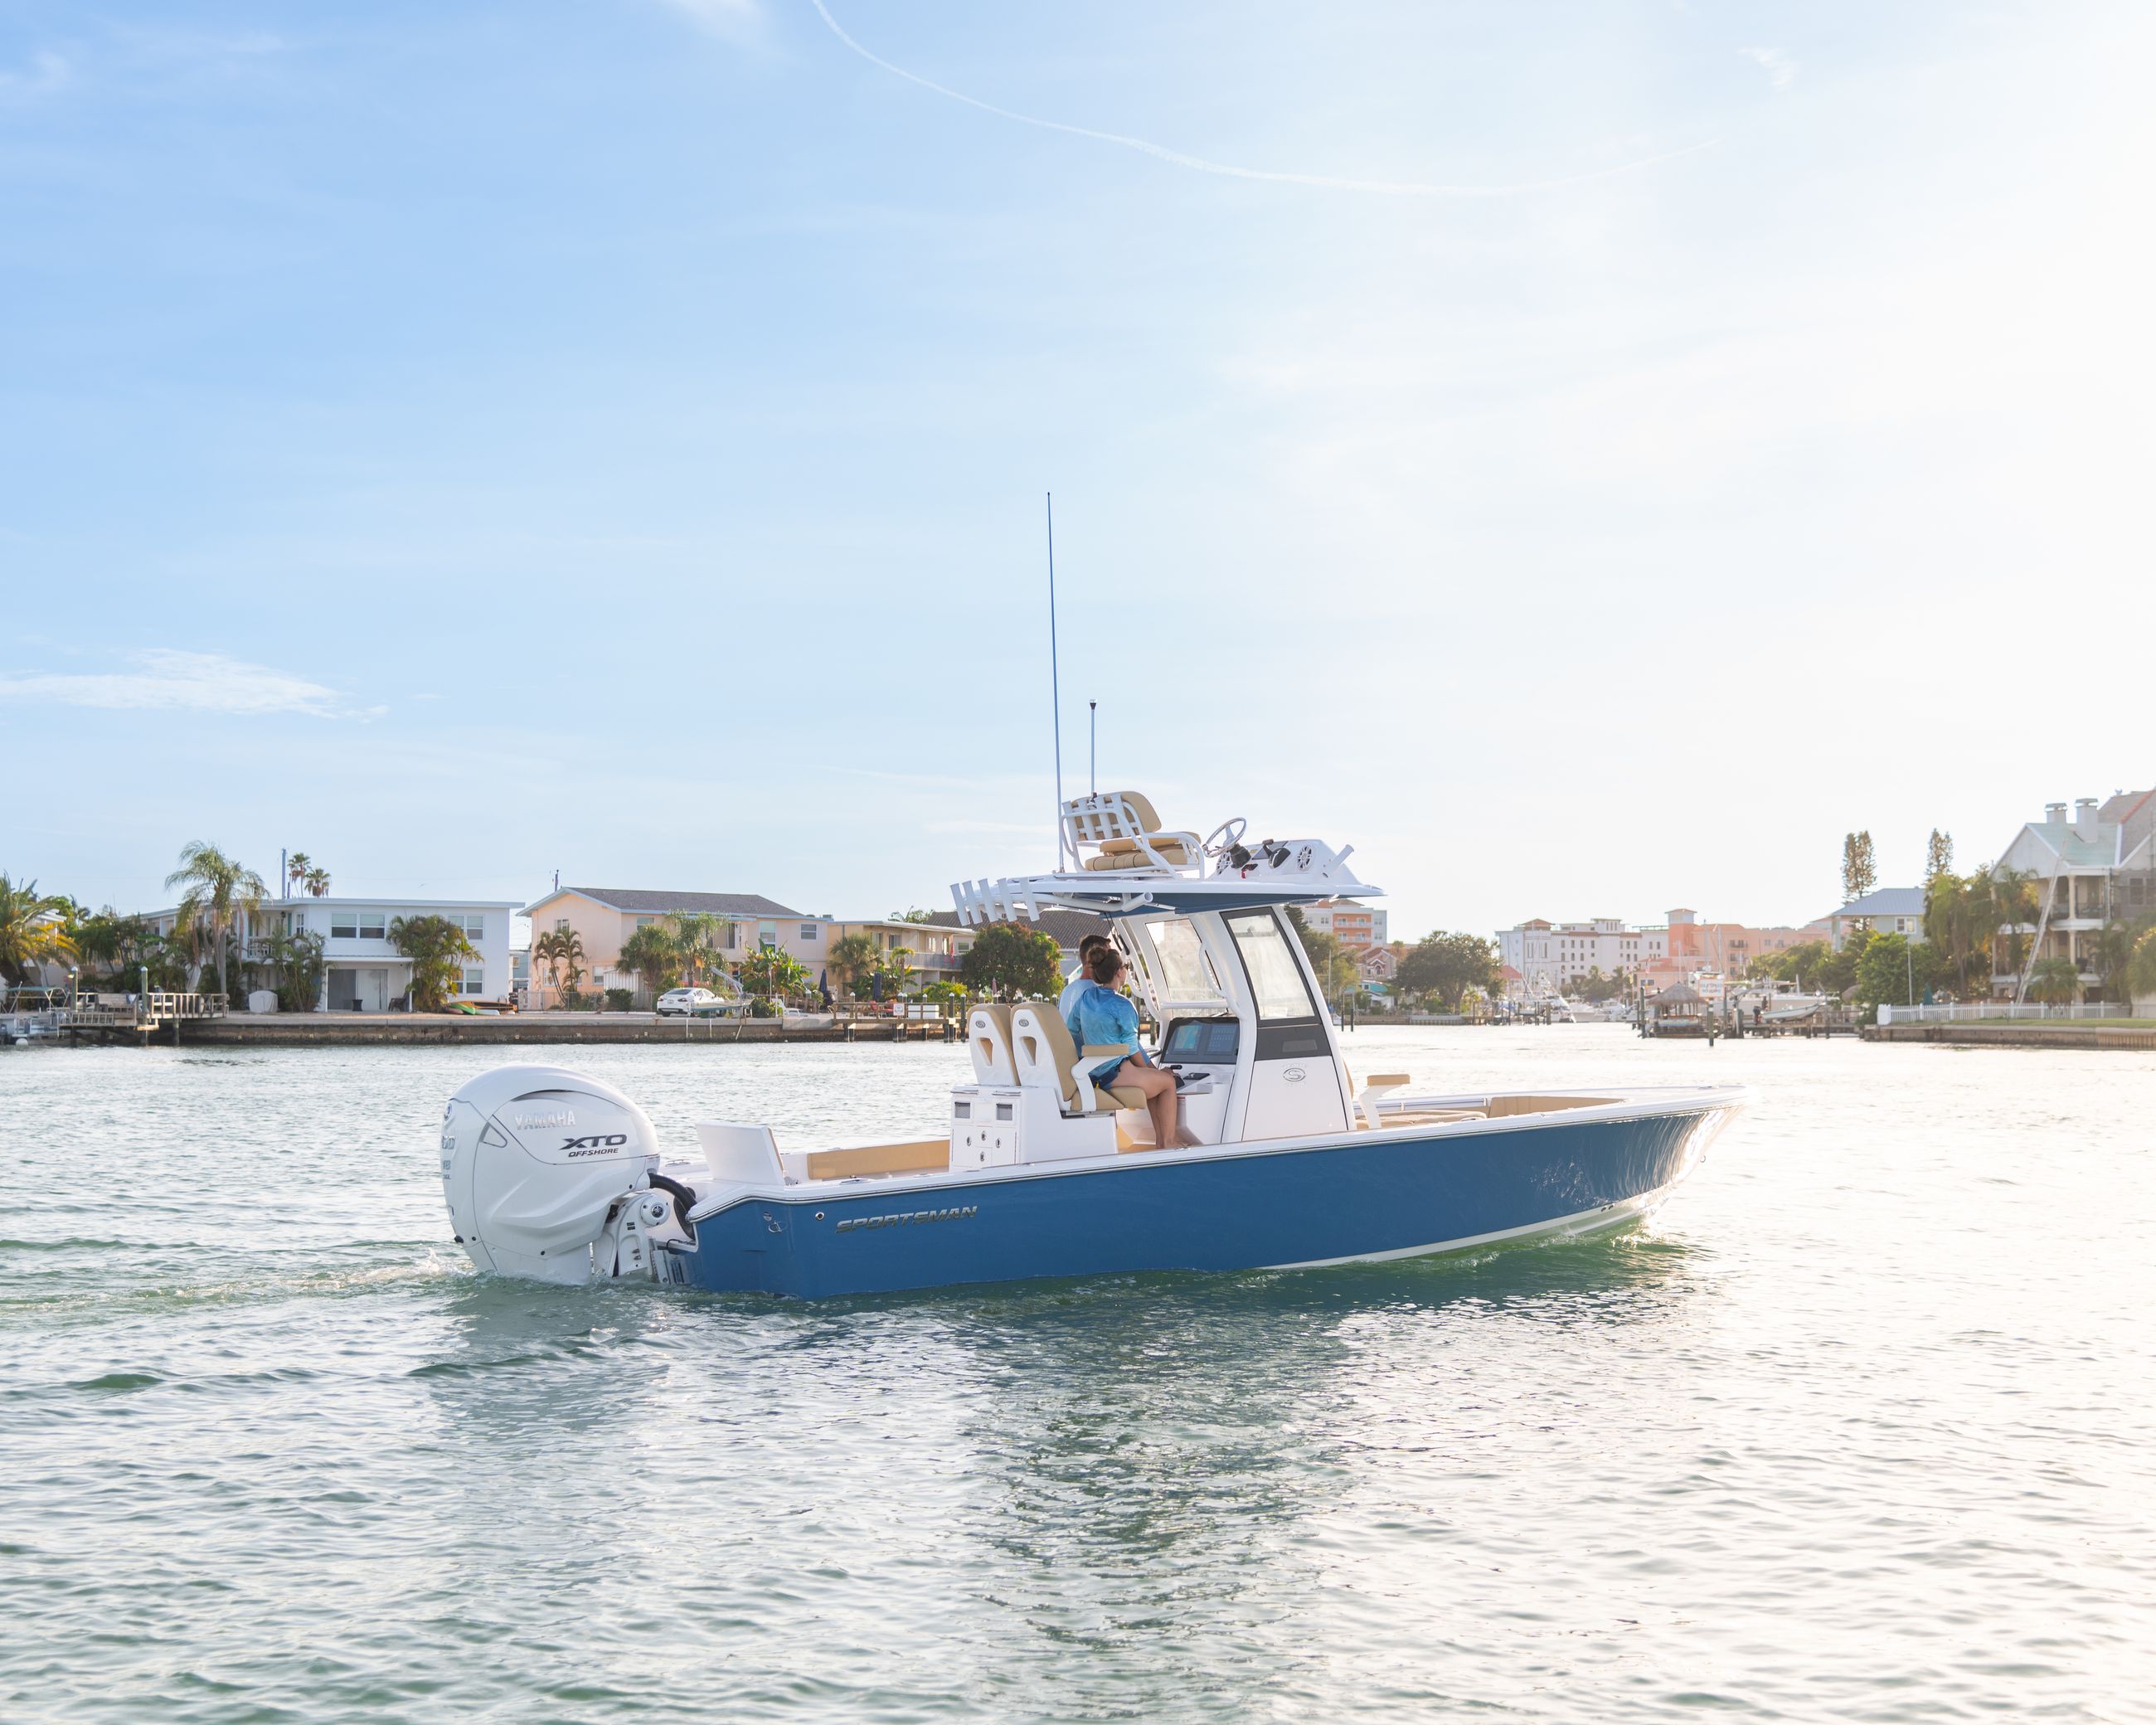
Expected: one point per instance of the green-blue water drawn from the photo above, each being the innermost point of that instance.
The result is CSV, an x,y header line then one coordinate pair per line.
x,y
1862,1426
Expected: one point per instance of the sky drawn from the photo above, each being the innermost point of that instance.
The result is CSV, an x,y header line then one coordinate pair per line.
x,y
1588,457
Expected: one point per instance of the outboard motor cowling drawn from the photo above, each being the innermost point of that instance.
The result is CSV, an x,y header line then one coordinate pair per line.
x,y
537,1163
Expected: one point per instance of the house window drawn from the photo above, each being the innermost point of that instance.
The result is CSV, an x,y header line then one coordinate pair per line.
x,y
561,925
344,925
474,927
646,921
372,926
808,932
475,979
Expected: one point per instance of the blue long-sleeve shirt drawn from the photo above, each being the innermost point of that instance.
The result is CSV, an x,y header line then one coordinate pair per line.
x,y
1102,1018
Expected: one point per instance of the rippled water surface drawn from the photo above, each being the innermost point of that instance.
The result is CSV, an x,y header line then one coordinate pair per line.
x,y
1859,1427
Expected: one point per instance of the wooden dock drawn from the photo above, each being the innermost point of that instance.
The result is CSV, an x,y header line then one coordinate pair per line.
x,y
140,1017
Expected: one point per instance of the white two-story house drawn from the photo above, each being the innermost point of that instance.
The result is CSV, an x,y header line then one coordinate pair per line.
x,y
365,972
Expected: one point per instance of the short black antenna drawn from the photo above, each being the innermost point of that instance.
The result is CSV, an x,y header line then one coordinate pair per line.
x,y
1055,680
1093,746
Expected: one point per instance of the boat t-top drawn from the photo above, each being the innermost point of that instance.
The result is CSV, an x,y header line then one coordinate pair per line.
x,y
1036,1170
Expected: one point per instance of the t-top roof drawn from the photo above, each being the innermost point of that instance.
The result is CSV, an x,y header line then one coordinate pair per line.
x,y
1067,927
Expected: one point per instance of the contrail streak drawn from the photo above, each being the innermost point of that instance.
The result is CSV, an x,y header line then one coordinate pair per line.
x,y
1162,152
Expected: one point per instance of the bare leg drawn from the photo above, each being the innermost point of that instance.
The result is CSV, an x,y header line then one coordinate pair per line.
x,y
1162,1103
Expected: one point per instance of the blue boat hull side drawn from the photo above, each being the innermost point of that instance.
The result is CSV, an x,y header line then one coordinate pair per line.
x,y
1371,1198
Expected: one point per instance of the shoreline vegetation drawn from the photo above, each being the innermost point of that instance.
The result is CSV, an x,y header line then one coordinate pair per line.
x,y
1976,929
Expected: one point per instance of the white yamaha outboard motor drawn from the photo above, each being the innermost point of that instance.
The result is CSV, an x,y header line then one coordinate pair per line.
x,y
555,1177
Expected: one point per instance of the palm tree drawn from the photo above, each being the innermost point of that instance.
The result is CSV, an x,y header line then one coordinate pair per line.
x,y
437,949
318,881
2013,906
297,867
773,972
653,957
850,960
220,891
560,949
2054,981
2141,967
1961,919
695,942
2111,948
33,930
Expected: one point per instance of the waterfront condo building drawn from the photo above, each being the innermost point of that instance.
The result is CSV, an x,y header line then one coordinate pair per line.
x,y
1354,925
1549,958
934,947
1545,958
1690,945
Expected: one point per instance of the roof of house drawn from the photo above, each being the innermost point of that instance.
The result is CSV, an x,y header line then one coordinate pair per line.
x,y
1886,902
2123,807
636,898
2074,849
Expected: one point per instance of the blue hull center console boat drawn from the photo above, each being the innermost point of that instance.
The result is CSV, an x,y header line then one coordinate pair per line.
x,y
1037,1171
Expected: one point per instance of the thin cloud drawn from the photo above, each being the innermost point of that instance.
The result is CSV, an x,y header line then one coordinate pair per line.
x,y
1780,69
46,73
734,19
191,682
1200,165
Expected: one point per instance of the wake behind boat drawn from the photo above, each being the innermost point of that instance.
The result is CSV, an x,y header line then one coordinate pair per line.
x,y
1036,1171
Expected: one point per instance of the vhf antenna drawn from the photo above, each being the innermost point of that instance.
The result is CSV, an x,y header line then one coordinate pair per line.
x,y
1093,746
1055,681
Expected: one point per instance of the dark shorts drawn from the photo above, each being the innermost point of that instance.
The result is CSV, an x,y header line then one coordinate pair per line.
x,y
1104,1074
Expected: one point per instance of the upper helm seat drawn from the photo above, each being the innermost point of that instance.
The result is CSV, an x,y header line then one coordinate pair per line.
x,y
1125,831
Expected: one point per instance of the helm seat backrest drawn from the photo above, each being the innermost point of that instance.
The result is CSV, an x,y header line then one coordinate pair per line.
x,y
1048,1057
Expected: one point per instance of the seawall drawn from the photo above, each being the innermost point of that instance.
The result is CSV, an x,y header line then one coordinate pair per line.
x,y
2034,1034
401,1029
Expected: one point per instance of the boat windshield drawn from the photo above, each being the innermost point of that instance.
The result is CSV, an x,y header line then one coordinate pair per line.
x,y
1181,970
1276,979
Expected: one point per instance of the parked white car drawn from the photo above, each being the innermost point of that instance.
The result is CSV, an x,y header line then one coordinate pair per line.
x,y
689,1002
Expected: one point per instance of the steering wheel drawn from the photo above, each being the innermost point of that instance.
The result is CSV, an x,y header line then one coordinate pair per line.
x,y
1228,833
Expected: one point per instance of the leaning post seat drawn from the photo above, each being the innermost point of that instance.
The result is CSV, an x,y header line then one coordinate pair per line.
x,y
989,1040
1048,1058
1124,832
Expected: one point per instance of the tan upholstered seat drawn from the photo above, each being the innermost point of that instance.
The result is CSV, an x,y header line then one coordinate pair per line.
x,y
1168,851
919,1156
1043,1024
1126,828
989,1040
1123,1096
